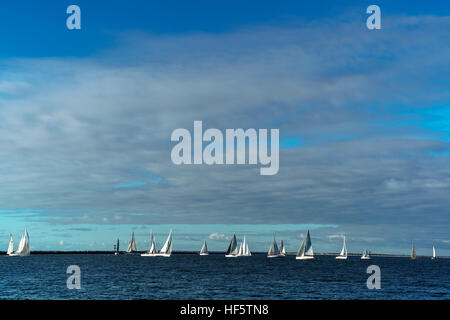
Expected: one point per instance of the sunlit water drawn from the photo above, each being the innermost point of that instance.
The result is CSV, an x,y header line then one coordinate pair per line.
x,y
185,276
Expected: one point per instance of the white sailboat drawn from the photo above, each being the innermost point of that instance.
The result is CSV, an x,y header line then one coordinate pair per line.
x,y
343,254
24,246
434,253
365,255
131,249
243,249
204,249
10,245
274,252
232,251
306,251
166,250
282,249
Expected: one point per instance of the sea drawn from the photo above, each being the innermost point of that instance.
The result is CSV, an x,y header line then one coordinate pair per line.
x,y
190,276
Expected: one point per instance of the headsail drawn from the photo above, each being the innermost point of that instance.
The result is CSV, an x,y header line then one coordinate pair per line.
x,y
24,244
282,248
434,253
10,245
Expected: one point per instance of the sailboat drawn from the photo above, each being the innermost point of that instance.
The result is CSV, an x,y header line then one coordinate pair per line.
x,y
306,251
10,245
365,255
243,249
273,252
343,254
232,251
116,248
434,253
204,249
413,252
282,249
166,250
131,249
24,246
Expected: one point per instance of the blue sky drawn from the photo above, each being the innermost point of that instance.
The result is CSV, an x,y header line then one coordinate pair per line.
x,y
364,121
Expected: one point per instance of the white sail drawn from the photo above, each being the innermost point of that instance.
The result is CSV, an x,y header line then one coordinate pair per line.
x,y
152,248
240,252
131,245
10,245
434,253
23,249
343,254
282,248
273,250
306,250
167,247
204,249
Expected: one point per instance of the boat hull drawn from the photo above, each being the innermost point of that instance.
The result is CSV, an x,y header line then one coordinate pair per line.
x,y
204,254
231,256
365,258
166,255
274,256
305,258
341,258
19,254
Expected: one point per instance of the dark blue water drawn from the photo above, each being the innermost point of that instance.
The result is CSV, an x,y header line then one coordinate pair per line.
x,y
185,276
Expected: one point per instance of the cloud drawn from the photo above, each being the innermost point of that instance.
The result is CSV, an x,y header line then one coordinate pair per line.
x,y
86,125
218,236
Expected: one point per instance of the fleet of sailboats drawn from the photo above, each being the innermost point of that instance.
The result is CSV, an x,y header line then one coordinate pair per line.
x,y
23,249
204,249
306,251
166,250
343,254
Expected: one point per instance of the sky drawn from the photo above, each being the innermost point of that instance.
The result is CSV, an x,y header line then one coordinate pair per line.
x,y
364,118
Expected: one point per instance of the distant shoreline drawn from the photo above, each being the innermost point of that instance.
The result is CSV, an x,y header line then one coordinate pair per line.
x,y
221,253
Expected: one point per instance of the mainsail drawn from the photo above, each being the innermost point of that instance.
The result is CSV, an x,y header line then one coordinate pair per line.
x,y
11,245
434,253
232,248
344,250
204,249
273,250
306,247
167,247
131,245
